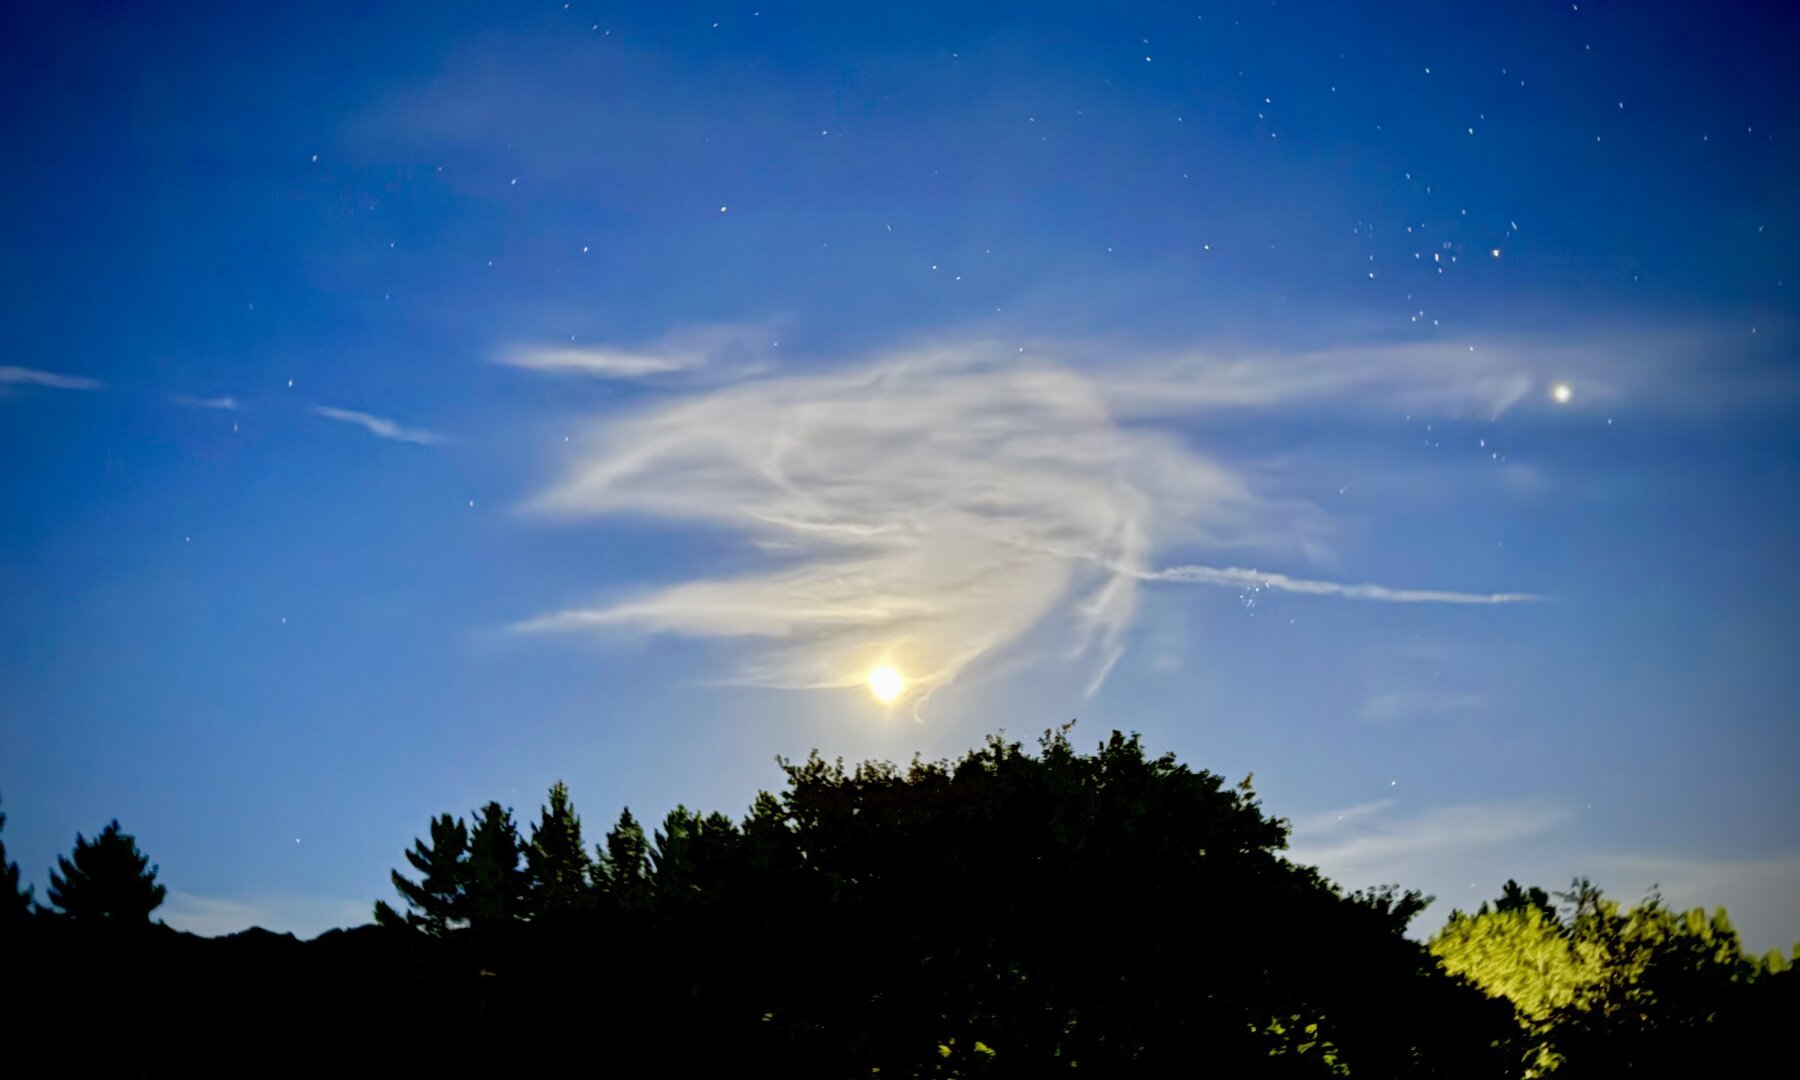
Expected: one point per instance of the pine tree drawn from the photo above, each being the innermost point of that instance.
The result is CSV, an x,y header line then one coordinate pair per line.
x,y
15,903
625,868
555,858
691,854
768,838
439,899
386,916
106,880
498,887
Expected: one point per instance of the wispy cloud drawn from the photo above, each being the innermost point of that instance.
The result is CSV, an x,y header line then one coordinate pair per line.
x,y
1335,822
1409,376
1463,853
1368,843
727,350
1671,368
1760,892
1399,705
227,404
380,426
604,363
1239,578
926,509
33,377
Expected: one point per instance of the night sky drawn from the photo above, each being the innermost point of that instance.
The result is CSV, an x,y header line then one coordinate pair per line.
x,y
407,405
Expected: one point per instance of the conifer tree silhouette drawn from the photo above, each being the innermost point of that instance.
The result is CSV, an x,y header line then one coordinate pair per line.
x,y
106,880
15,903
498,888
623,871
555,858
439,899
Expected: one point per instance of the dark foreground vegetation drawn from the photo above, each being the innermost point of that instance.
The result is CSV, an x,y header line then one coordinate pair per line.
x,y
1009,914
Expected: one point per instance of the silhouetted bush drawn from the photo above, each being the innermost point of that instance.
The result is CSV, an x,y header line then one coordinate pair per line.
x,y
1006,914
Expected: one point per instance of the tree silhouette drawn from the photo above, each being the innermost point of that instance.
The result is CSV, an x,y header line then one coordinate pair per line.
x,y
1668,978
623,870
693,856
15,903
439,899
106,880
497,887
1006,913
1514,897
556,859
1098,914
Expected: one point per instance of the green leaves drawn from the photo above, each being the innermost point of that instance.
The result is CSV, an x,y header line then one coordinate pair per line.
x,y
1601,986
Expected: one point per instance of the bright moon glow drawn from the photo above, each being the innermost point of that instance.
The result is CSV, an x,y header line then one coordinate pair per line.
x,y
1561,393
886,684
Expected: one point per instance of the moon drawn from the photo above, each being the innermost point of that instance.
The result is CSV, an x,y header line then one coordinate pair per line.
x,y
886,683
1562,393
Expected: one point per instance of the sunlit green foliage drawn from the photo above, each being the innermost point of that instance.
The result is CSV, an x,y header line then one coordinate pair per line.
x,y
1523,954
1296,1036
1602,983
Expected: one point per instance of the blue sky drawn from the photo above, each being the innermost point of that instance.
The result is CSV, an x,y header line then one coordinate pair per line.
x,y
408,408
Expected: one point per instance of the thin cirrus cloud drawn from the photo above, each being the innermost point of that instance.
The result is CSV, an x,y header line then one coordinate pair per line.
x,y
602,363
929,507
707,353
1758,890
380,426
1450,852
1371,843
223,402
1404,705
24,376
1239,578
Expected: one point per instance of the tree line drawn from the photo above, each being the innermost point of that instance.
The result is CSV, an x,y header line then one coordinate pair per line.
x,y
1009,913
106,880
